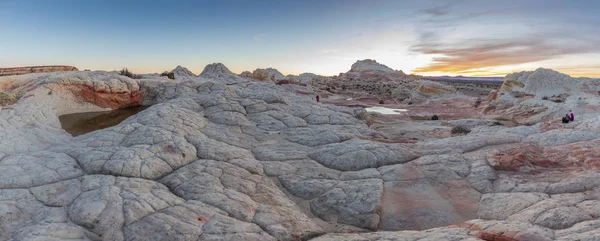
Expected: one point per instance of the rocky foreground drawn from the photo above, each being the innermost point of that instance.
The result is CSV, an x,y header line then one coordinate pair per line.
x,y
223,157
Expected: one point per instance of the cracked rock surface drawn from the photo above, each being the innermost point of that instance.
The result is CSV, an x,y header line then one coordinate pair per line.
x,y
232,159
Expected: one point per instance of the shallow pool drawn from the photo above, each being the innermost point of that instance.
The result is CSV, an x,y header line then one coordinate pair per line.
x,y
385,110
82,123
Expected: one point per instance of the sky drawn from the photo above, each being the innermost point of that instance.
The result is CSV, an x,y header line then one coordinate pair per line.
x,y
426,37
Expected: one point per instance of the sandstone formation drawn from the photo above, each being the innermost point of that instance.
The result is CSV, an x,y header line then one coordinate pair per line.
x,y
304,78
370,65
246,74
183,74
544,95
368,79
222,157
426,87
268,74
377,82
35,69
219,71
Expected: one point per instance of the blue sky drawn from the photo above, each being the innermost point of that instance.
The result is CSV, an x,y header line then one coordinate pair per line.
x,y
434,37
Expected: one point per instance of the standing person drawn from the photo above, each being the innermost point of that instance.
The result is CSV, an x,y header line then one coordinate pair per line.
x,y
317,98
571,117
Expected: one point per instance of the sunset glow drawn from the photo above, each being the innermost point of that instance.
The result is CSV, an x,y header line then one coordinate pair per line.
x,y
467,37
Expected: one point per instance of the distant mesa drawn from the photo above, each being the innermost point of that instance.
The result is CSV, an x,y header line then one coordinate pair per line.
x,y
369,70
369,65
36,69
461,78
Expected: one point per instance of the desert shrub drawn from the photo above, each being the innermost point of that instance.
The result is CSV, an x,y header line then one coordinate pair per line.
x,y
516,94
129,74
381,102
558,98
126,72
169,75
460,130
360,114
477,102
410,103
9,98
289,82
435,117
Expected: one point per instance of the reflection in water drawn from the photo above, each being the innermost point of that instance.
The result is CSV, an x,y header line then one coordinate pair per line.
x,y
82,123
384,110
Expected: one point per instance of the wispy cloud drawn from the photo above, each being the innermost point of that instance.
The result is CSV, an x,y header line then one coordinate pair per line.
x,y
259,36
491,38
476,54
438,10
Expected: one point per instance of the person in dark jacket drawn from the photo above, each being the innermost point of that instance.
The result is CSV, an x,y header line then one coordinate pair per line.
x,y
565,119
317,98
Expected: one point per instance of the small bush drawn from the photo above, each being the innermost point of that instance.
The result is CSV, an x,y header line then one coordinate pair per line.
x,y
381,102
9,98
460,130
289,82
129,74
477,102
126,72
169,75
516,94
435,117
360,114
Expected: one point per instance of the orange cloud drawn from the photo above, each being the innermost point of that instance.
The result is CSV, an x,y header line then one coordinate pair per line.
x,y
485,59
465,59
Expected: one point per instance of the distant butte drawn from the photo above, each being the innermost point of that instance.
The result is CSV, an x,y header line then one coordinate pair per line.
x,y
36,69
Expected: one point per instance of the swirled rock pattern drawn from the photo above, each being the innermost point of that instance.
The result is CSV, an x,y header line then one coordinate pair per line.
x,y
233,159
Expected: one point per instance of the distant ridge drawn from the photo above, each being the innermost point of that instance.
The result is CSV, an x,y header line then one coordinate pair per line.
x,y
35,69
465,79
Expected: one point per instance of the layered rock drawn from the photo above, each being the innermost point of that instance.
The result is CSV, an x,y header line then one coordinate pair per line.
x,y
434,88
369,65
268,74
370,80
213,160
35,69
304,78
544,95
218,72
540,83
183,74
